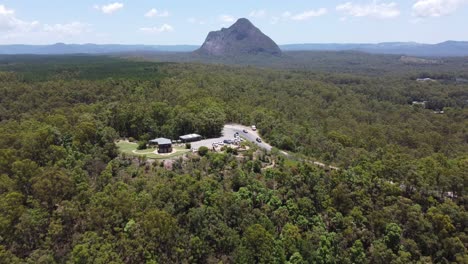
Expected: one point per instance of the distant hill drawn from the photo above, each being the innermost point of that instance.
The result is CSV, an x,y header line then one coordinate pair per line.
x,y
444,49
241,38
61,48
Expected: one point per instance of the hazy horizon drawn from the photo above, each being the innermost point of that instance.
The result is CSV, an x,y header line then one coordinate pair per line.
x,y
199,44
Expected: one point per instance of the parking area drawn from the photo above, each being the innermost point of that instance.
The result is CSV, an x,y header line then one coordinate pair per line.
x,y
228,134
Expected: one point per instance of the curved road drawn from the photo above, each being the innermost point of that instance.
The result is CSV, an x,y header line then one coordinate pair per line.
x,y
251,135
231,129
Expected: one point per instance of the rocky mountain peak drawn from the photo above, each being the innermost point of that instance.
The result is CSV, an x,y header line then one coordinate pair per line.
x,y
242,38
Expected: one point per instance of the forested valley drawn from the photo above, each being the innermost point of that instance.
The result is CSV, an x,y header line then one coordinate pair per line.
x,y
68,196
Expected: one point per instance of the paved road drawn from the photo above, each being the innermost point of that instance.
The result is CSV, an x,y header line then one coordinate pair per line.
x,y
251,135
228,133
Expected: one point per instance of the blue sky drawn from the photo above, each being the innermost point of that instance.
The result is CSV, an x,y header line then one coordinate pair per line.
x,y
188,22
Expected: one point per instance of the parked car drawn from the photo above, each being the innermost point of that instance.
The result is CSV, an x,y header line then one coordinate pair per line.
x,y
245,131
254,127
227,141
259,140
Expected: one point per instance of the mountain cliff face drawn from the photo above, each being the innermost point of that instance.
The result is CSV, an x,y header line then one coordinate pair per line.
x,y
242,38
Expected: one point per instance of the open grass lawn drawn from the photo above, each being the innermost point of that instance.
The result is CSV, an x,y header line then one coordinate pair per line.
x,y
131,149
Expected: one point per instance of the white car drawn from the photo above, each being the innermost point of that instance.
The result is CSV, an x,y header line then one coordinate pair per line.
x,y
254,128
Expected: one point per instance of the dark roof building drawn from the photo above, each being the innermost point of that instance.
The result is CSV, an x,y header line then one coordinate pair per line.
x,y
161,141
164,144
190,137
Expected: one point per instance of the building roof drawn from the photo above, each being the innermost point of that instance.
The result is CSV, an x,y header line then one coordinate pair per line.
x,y
190,136
161,141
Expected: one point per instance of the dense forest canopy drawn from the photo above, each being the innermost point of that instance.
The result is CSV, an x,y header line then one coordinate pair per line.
x,y
68,196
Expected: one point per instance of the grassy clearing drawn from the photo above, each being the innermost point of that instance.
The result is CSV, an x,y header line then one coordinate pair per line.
x,y
126,147
131,149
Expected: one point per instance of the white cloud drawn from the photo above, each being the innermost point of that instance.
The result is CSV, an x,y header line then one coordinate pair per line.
x,y
15,30
10,23
436,8
153,12
156,13
6,11
110,8
286,14
161,29
374,9
74,28
258,13
227,18
307,14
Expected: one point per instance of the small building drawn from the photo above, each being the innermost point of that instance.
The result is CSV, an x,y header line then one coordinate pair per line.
x,y
164,145
190,138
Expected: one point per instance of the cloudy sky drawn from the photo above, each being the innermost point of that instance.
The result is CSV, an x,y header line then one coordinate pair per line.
x,y
188,22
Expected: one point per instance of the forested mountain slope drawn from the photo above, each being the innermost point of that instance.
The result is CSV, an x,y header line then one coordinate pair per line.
x,y
68,196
